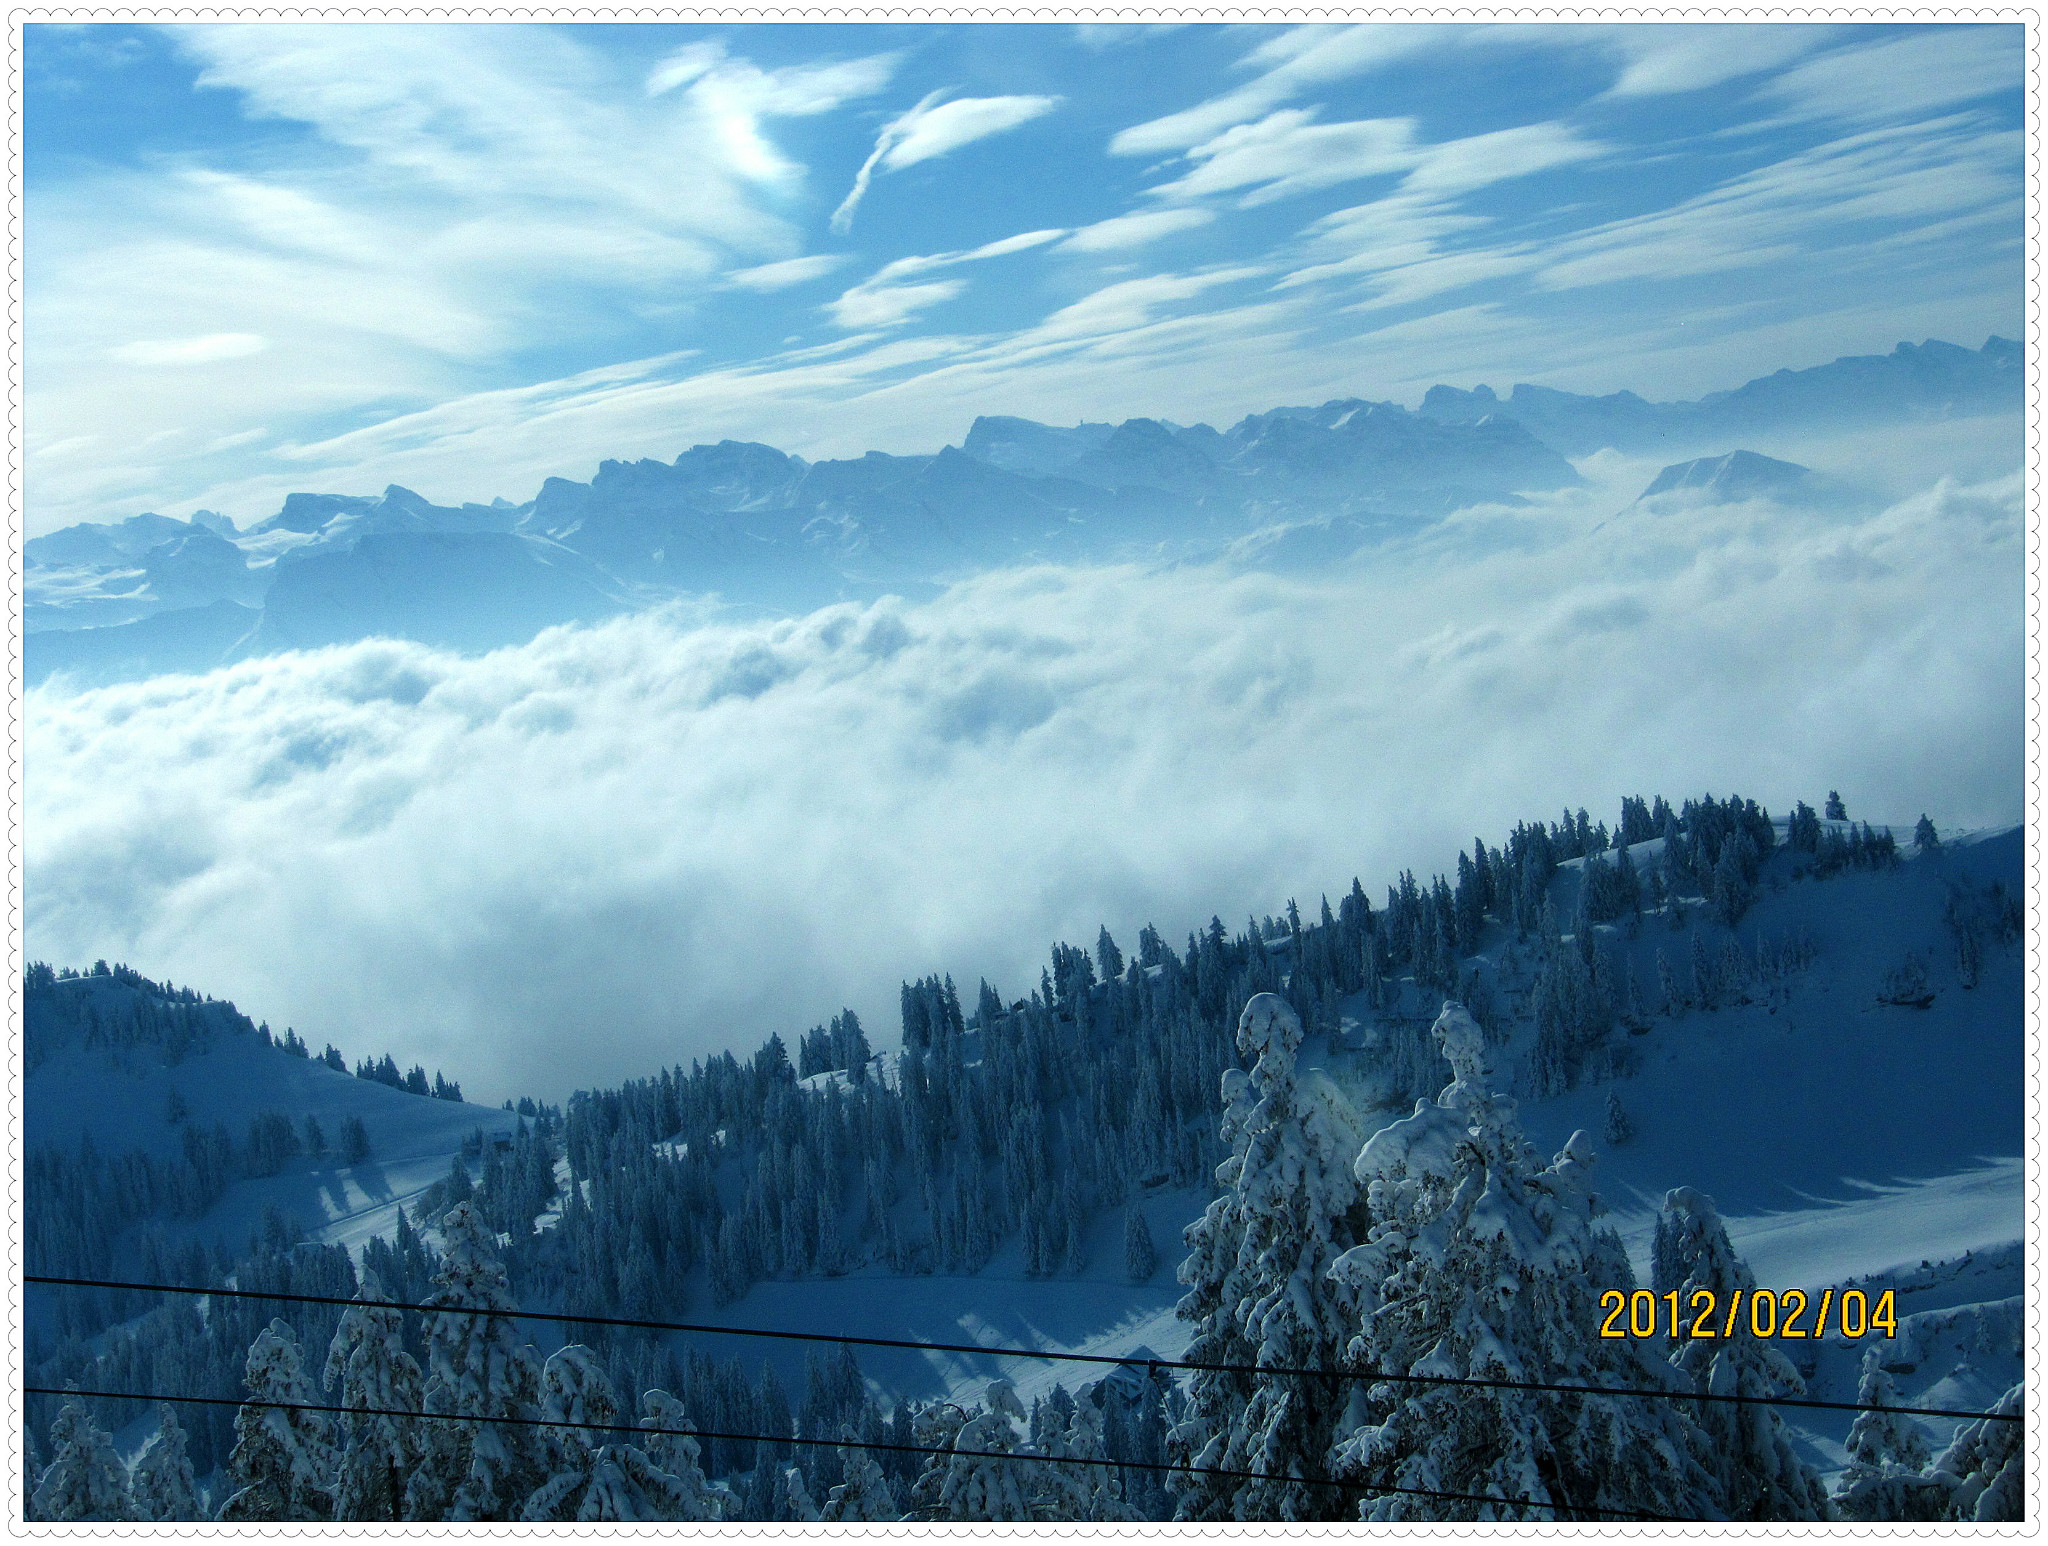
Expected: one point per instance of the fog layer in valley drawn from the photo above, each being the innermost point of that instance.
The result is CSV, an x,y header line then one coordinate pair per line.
x,y
612,849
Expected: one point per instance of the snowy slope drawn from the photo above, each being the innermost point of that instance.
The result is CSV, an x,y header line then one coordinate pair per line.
x,y
1828,1097
1097,1311
121,1098
1844,1140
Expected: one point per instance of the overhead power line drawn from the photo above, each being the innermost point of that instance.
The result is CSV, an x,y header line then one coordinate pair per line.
x,y
1373,1376
875,1444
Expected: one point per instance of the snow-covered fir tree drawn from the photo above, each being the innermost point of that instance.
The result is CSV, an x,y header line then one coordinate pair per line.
x,y
1759,1475
1260,1290
1484,1263
1618,1129
478,1370
1984,1468
796,1498
162,1475
33,1462
975,1481
1086,1490
1880,1438
284,1459
1667,985
592,1479
1135,1420
1888,1457
864,1495
671,1447
373,1375
1141,1256
85,1479
574,1391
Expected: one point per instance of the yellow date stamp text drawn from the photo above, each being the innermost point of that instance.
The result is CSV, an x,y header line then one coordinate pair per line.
x,y
1756,1312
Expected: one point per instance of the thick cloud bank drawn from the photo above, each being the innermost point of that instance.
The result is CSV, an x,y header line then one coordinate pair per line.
x,y
612,849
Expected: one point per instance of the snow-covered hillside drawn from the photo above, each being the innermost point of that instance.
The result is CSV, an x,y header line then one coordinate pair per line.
x,y
98,1077
1816,1022
1844,1138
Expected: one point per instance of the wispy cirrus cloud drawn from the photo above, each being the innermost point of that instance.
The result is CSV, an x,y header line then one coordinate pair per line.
x,y
895,292
1899,78
735,99
934,128
790,271
453,197
1647,60
1285,67
1130,304
191,351
1119,233
1816,200
1417,243
1289,152
1666,59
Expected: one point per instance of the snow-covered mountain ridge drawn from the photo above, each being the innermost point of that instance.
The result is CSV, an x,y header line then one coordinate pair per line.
x,y
761,529
1928,380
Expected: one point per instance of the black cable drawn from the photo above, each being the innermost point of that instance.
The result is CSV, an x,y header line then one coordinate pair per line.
x,y
1375,1376
908,1449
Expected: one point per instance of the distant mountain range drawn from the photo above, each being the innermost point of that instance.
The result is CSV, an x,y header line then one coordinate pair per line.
x,y
1930,380
758,527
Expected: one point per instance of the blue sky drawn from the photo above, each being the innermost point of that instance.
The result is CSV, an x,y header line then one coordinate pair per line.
x,y
262,257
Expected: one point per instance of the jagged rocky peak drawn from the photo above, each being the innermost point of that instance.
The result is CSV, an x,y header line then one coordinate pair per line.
x,y
1146,452
198,567
1388,447
89,543
309,512
1737,475
397,496
1451,405
739,474
1029,448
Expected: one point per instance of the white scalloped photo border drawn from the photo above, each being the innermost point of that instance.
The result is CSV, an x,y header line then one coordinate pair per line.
x,y
2029,17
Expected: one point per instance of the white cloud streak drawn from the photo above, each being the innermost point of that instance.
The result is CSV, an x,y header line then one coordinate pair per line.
x,y
1289,152
884,300
612,850
191,351
935,128
1651,60
943,129
1120,233
1295,62
1903,77
1808,202
1668,59
789,272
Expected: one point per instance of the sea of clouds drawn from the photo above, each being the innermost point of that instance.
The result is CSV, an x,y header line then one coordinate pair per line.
x,y
619,848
